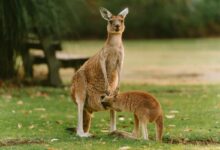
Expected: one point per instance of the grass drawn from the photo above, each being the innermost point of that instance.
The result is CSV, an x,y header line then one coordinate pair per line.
x,y
37,114
182,61
183,74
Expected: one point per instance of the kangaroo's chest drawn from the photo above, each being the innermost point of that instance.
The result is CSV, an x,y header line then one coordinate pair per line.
x,y
114,59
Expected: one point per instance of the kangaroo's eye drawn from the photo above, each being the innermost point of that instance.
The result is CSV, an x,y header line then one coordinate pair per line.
x,y
111,21
122,21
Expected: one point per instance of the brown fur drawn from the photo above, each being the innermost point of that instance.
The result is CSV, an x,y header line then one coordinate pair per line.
x,y
99,75
144,106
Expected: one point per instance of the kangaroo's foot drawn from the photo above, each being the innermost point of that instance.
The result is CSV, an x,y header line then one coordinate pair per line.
x,y
83,134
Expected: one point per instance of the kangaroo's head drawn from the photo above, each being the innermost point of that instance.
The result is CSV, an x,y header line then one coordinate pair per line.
x,y
115,22
108,101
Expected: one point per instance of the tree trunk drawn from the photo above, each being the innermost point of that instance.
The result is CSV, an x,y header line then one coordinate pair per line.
x,y
7,61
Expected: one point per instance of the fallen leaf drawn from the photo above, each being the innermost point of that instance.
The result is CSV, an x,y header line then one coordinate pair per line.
x,y
124,148
20,102
174,111
39,109
187,130
31,126
53,140
172,125
19,125
121,118
104,130
170,116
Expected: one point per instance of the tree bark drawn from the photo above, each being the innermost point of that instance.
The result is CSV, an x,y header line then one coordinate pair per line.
x,y
7,61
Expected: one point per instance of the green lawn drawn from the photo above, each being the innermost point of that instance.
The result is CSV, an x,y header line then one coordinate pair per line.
x,y
181,61
183,74
37,114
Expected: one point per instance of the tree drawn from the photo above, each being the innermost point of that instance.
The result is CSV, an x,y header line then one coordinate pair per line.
x,y
12,30
18,18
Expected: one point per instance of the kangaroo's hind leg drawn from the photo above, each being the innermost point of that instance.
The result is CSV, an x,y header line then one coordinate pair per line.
x,y
87,116
80,96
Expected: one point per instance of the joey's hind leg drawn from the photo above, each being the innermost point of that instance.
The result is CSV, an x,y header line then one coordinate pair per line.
x,y
135,132
86,121
112,120
159,128
144,130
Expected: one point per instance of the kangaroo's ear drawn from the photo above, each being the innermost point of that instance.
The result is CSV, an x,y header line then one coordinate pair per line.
x,y
105,13
124,12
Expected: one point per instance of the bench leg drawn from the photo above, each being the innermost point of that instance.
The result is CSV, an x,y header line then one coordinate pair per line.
x,y
27,63
52,62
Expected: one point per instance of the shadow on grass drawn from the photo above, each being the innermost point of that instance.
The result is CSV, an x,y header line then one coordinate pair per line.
x,y
12,142
168,140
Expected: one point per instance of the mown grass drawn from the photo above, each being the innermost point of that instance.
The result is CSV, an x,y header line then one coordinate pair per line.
x,y
43,114
179,61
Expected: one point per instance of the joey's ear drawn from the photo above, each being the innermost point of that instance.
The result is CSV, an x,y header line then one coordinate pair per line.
x,y
124,12
105,13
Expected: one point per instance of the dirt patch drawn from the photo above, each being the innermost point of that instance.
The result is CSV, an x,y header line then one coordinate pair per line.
x,y
11,142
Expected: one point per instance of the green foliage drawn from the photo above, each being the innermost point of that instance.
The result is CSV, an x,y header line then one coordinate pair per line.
x,y
148,19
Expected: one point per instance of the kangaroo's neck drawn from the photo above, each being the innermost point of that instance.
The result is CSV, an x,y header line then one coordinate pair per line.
x,y
114,39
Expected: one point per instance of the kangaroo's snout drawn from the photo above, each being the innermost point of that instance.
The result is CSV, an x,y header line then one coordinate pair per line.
x,y
117,27
102,98
105,102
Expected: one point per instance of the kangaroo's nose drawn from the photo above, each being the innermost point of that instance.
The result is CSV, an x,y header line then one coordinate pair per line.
x,y
117,25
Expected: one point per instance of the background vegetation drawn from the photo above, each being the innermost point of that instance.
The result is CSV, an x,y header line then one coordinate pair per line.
x,y
80,19
147,18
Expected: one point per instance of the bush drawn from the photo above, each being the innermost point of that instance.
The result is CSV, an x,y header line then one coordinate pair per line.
x,y
147,19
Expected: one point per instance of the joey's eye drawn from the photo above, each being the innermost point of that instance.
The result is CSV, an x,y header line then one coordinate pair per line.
x,y
122,21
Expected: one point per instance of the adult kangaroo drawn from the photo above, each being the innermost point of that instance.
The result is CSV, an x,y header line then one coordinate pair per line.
x,y
100,74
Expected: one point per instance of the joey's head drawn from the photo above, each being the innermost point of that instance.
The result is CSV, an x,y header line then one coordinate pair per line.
x,y
108,101
115,22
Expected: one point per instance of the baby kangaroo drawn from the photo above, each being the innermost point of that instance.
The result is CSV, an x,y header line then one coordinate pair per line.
x,y
144,106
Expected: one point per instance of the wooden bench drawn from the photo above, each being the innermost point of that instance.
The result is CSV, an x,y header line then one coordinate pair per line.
x,y
54,57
